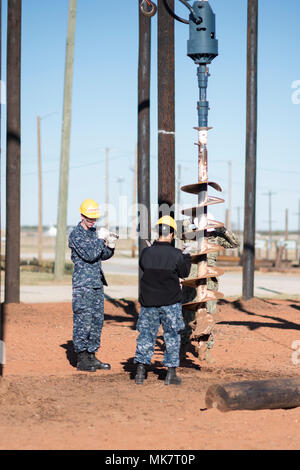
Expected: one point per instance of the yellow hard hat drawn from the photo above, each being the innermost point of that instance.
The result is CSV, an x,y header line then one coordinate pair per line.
x,y
90,209
168,220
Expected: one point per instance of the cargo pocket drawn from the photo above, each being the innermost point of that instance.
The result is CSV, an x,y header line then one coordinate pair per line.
x,y
172,318
78,299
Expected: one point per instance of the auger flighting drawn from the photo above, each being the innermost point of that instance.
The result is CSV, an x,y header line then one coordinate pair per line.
x,y
202,48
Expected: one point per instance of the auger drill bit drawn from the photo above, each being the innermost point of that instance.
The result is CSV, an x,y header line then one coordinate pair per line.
x,y
202,48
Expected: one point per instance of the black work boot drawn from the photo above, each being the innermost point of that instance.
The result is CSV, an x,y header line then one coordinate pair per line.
x,y
96,363
172,378
140,374
84,363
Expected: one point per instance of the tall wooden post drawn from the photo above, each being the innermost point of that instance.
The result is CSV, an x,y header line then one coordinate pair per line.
x,y
40,193
298,240
286,235
1,101
13,148
251,146
228,212
166,109
1,310
60,253
133,223
143,165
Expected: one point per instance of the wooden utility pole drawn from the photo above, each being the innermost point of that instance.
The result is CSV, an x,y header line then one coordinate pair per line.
x,y
65,147
228,212
40,226
106,187
178,205
270,194
286,235
239,229
251,149
166,109
1,311
133,223
298,238
286,224
1,100
238,225
143,166
13,152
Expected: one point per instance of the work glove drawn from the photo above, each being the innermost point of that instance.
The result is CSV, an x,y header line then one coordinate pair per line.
x,y
111,240
186,248
102,233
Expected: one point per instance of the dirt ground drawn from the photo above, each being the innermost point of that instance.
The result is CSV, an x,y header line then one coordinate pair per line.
x,y
46,404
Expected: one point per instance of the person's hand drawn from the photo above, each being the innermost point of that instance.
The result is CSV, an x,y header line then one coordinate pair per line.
x,y
102,233
111,240
186,248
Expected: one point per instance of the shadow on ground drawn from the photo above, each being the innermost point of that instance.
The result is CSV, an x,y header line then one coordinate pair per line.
x,y
253,325
70,353
129,308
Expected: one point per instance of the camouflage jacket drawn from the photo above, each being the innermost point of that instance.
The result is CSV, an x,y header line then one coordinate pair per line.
x,y
222,237
87,251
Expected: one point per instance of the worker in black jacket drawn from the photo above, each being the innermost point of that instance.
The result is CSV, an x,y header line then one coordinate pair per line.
x,y
160,297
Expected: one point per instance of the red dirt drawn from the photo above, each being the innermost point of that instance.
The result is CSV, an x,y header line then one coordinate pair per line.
x,y
46,404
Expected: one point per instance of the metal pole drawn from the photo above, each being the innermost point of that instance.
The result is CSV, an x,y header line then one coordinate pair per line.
x,y
251,146
40,194
166,109
13,147
65,148
143,166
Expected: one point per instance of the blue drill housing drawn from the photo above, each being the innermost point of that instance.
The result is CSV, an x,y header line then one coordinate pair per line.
x,y
202,45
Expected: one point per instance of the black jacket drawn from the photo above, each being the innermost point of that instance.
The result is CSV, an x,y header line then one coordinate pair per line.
x,y
162,266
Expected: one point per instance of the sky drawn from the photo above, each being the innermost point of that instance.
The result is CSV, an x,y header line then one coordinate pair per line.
x,y
104,106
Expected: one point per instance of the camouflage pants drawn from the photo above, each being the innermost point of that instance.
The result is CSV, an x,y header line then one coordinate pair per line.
x,y
88,317
150,318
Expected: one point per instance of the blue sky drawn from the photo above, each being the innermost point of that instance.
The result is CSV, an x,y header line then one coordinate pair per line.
x,y
105,105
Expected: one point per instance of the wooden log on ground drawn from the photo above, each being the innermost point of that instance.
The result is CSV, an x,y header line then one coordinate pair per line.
x,y
255,395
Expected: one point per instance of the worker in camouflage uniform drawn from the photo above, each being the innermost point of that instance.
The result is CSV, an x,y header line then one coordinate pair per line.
x,y
160,297
226,239
88,248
